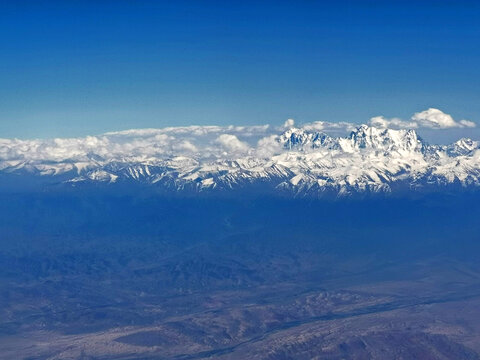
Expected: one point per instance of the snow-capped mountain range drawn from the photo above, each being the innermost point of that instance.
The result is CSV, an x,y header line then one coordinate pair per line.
x,y
299,160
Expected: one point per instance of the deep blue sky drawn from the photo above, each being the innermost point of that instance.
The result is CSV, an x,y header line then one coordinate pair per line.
x,y
74,68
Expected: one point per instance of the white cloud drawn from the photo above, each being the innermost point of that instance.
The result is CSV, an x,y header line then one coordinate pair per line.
x,y
467,123
150,144
196,142
290,123
437,119
231,143
195,130
185,146
393,123
268,146
329,127
430,118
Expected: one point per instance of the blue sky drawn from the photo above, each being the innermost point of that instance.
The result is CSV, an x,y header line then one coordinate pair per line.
x,y
75,68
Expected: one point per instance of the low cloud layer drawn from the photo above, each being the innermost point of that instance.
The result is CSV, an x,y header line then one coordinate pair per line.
x,y
196,141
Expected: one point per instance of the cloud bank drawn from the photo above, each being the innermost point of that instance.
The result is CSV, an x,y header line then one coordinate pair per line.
x,y
197,142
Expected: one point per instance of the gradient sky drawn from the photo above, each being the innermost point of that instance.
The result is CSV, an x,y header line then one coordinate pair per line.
x,y
73,68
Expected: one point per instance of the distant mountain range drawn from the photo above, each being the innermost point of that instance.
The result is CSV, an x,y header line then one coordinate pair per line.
x,y
300,161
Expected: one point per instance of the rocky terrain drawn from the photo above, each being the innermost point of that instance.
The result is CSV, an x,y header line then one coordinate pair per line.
x,y
97,276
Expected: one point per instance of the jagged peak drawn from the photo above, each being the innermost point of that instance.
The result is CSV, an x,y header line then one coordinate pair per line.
x,y
467,143
300,138
385,139
464,146
365,129
304,157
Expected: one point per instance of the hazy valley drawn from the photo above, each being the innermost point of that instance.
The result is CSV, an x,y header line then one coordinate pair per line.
x,y
145,277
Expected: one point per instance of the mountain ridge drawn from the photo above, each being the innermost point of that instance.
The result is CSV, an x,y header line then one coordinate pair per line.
x,y
297,160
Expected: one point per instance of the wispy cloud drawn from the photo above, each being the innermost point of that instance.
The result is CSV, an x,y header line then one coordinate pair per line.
x,y
393,123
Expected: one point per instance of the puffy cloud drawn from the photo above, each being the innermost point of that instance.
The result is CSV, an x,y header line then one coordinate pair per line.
x,y
153,144
268,146
467,123
232,143
186,146
437,119
289,124
430,118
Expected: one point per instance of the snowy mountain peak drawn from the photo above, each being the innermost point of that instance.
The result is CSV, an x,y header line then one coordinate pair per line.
x,y
385,139
299,160
302,139
464,146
